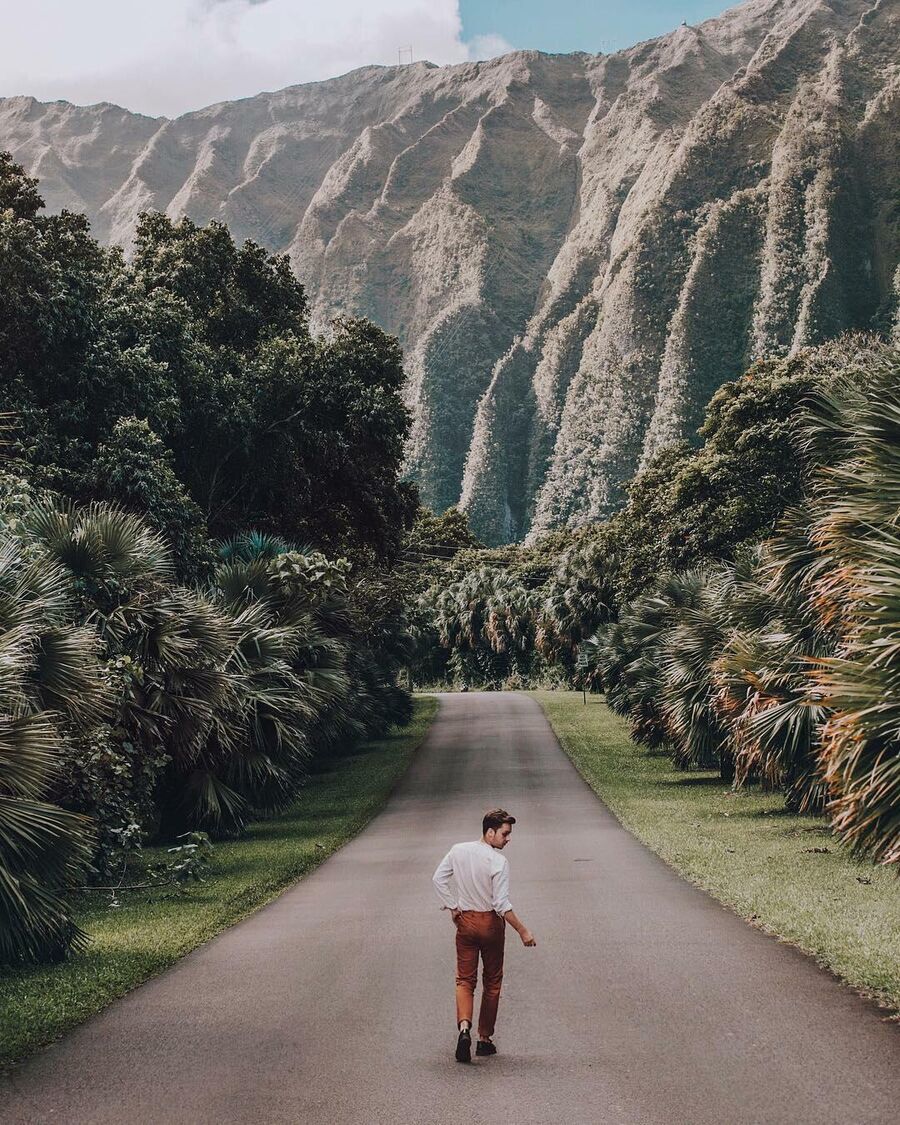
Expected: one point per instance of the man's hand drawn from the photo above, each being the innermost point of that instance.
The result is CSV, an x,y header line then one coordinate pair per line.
x,y
455,913
511,919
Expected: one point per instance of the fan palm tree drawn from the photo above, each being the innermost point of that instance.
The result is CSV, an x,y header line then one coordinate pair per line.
x,y
762,678
577,599
290,671
50,682
655,664
687,654
485,619
627,664
173,642
856,491
108,552
255,545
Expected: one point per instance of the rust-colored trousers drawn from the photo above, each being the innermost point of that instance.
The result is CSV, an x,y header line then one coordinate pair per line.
x,y
484,932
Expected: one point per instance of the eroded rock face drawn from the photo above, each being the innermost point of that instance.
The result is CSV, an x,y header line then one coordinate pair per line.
x,y
574,250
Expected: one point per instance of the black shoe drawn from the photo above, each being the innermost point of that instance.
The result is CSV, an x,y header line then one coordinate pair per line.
x,y
485,1048
464,1046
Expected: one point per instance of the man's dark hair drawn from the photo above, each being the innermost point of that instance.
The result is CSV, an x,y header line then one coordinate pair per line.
x,y
495,818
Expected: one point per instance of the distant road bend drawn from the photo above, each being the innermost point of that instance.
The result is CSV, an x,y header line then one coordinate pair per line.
x,y
644,1002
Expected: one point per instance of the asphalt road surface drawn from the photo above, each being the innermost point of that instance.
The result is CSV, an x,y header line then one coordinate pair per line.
x,y
643,1002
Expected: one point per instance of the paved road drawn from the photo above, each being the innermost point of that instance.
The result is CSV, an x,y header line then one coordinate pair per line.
x,y
644,1001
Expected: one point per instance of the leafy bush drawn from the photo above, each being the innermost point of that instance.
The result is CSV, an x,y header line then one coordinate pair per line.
x,y
112,780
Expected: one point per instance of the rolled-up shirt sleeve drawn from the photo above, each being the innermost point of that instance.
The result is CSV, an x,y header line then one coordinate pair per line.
x,y
500,890
441,880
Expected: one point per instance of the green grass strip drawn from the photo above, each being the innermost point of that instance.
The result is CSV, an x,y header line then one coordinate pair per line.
x,y
784,873
150,930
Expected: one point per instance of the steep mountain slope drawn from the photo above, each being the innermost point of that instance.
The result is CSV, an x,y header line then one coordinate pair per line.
x,y
575,250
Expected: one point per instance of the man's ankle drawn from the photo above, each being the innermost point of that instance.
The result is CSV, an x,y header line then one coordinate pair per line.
x,y
464,1025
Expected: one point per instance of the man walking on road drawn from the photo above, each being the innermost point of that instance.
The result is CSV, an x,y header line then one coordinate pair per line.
x,y
480,909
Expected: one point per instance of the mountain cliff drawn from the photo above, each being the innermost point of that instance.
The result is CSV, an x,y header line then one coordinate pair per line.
x,y
575,250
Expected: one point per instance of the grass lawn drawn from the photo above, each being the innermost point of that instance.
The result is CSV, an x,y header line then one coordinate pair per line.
x,y
150,930
784,873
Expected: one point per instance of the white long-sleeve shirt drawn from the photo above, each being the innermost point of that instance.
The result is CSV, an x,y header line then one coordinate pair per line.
x,y
481,876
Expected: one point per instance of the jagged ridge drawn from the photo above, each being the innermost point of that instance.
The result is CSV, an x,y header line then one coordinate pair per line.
x,y
575,250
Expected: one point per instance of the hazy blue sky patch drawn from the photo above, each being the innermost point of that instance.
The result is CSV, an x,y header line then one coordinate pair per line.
x,y
581,25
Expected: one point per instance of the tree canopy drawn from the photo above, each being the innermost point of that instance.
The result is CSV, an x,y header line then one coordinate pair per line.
x,y
205,345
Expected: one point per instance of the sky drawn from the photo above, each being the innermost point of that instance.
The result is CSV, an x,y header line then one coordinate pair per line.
x,y
165,57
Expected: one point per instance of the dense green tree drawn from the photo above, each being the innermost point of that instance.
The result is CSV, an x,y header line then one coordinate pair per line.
x,y
135,469
18,192
237,297
207,344
301,436
433,541
697,504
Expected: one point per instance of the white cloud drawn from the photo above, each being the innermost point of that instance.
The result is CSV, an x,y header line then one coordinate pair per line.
x,y
486,46
169,56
